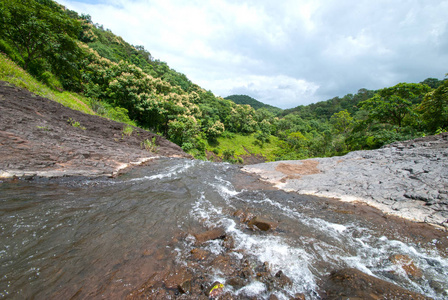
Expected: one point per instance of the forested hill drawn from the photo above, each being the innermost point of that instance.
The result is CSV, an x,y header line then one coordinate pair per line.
x,y
326,109
71,55
244,99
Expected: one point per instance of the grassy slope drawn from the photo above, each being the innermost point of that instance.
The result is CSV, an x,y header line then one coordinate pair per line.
x,y
15,75
12,73
239,142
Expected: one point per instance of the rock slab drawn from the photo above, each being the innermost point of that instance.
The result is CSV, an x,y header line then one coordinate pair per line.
x,y
40,137
408,179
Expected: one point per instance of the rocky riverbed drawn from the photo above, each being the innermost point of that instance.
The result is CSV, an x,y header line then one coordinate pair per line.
x,y
408,179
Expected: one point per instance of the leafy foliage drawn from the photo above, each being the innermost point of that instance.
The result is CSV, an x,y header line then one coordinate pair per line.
x,y
43,37
392,105
434,108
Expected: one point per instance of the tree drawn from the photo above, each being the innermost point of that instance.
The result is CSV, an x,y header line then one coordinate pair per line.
x,y
342,121
432,82
434,107
391,105
37,30
41,31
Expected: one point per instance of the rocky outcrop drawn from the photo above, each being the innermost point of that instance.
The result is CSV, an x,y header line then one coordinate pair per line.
x,y
39,137
408,179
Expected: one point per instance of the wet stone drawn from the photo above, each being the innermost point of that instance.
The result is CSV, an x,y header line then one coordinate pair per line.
x,y
262,224
229,242
353,284
185,287
199,254
282,280
407,264
237,282
214,234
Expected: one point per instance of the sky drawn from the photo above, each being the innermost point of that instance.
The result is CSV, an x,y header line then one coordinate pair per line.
x,y
285,52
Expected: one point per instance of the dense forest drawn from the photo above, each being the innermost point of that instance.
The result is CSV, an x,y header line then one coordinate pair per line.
x,y
68,52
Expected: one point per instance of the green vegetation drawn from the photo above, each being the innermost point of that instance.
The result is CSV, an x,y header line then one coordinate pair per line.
x,y
12,73
237,144
255,104
75,124
149,145
70,60
127,130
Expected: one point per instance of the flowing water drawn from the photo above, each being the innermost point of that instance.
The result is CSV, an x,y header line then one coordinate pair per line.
x,y
135,236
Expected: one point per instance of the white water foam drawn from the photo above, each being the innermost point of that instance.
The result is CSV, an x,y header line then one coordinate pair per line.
x,y
292,261
345,245
171,172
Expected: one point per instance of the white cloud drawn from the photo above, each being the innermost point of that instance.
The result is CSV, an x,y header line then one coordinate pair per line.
x,y
281,91
314,49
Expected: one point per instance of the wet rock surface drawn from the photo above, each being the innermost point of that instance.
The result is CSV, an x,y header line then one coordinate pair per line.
x,y
38,137
195,276
353,284
408,179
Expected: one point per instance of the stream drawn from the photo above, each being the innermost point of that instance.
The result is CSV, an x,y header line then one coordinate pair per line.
x,y
149,234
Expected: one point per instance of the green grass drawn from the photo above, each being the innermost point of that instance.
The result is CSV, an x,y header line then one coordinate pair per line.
x,y
15,75
238,142
12,73
127,130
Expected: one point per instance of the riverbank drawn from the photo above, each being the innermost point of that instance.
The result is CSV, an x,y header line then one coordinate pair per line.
x,y
39,137
406,179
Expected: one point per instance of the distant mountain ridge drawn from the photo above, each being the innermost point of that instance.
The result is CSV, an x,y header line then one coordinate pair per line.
x,y
244,99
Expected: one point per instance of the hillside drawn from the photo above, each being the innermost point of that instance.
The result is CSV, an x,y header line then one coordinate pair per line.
x,y
255,104
41,137
75,58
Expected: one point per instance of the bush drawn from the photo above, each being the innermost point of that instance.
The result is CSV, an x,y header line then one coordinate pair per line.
x,y
149,145
127,130
187,147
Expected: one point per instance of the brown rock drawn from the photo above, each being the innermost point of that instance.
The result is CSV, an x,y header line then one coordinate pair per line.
x,y
199,254
353,284
239,214
407,264
229,242
39,137
185,287
247,217
262,224
237,282
224,263
214,234
282,280
177,278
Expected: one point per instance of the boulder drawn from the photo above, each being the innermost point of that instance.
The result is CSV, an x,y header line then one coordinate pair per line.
x,y
407,264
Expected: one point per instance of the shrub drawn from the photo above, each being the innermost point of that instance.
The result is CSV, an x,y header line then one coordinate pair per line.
x,y
127,130
75,124
149,145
